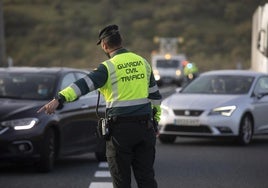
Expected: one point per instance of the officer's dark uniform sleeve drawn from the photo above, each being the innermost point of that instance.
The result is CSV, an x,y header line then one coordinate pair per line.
x,y
94,80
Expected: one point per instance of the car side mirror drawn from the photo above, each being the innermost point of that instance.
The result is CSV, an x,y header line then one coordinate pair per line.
x,y
178,89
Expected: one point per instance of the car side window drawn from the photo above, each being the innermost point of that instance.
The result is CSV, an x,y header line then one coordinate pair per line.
x,y
67,80
262,85
80,75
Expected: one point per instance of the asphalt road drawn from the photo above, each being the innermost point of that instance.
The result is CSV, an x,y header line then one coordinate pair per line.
x,y
188,163
206,163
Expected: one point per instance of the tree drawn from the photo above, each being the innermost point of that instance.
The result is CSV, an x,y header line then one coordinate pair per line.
x,y
2,38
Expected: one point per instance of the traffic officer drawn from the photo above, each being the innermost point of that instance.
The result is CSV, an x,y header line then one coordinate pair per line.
x,y
129,88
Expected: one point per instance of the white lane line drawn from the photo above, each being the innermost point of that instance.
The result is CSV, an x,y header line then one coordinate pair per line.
x,y
101,185
103,165
102,174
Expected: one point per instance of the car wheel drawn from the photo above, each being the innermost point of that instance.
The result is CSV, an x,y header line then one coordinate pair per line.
x,y
245,130
101,155
165,139
47,153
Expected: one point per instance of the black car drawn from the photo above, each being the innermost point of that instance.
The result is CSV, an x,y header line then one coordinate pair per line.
x,y
26,135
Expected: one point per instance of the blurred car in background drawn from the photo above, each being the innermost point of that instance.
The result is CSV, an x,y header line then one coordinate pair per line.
x,y
26,135
168,69
224,103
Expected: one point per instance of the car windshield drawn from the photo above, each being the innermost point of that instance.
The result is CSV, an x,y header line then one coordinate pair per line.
x,y
27,86
171,63
220,84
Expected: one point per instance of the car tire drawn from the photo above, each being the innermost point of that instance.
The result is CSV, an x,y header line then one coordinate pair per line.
x,y
166,139
47,153
245,130
101,155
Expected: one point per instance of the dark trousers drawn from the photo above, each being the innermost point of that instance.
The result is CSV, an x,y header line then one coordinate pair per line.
x,y
132,146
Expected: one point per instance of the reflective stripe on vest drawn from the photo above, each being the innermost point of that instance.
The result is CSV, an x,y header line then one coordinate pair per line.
x,y
113,80
71,92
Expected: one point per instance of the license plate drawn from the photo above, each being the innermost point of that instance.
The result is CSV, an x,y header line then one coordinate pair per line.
x,y
191,122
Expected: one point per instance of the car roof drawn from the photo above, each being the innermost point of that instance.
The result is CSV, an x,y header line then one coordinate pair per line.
x,y
235,72
49,70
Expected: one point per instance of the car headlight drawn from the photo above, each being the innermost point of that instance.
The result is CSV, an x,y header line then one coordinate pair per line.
x,y
156,74
21,124
178,72
224,111
164,111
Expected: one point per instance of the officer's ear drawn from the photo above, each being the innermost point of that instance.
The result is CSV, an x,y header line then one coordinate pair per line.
x,y
105,48
103,45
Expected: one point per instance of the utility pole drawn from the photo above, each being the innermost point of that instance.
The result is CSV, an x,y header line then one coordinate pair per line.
x,y
2,37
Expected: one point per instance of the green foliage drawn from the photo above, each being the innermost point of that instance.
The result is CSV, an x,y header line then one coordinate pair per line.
x,y
216,33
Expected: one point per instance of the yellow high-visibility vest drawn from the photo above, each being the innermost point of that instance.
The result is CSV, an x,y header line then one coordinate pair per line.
x,y
128,80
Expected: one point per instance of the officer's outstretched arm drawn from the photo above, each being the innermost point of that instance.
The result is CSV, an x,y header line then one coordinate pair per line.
x,y
66,95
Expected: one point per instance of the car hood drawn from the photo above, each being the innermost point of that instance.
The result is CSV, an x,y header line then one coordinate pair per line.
x,y
11,107
200,101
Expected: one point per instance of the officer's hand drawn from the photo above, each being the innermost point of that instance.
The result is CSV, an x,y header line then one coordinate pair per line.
x,y
50,107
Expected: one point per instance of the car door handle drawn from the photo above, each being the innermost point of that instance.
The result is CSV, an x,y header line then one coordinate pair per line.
x,y
84,106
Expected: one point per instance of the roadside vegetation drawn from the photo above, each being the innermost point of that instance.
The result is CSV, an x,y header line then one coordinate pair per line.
x,y
216,34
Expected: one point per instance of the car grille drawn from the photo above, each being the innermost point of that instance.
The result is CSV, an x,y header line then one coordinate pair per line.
x,y
188,112
194,129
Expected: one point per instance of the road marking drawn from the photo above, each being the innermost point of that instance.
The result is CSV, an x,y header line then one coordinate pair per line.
x,y
101,185
103,165
102,174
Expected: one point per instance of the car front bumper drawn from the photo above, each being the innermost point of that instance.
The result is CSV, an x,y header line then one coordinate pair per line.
x,y
19,146
192,126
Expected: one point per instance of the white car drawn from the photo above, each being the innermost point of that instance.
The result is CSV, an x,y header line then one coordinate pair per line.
x,y
223,103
